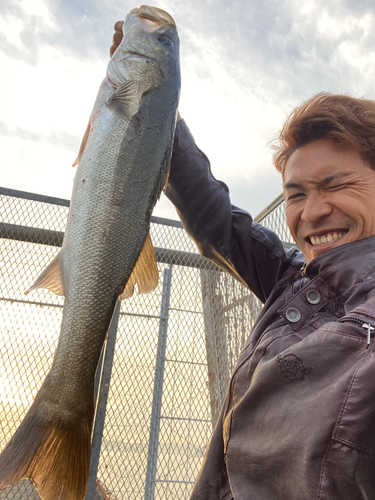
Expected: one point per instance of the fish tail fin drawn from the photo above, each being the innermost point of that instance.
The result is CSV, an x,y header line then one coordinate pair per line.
x,y
56,459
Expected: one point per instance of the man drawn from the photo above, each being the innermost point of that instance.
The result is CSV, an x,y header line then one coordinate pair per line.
x,y
299,419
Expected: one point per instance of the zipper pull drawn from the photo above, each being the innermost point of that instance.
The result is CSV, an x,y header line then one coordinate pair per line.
x,y
369,330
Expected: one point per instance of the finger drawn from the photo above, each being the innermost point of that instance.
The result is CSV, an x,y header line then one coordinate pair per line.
x,y
117,37
118,25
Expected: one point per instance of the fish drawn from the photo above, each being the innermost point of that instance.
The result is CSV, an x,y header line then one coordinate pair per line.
x,y
123,165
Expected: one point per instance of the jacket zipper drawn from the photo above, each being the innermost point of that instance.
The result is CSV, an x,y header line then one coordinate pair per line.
x,y
366,326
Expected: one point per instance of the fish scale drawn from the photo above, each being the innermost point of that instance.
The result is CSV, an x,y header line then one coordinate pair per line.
x,y
124,162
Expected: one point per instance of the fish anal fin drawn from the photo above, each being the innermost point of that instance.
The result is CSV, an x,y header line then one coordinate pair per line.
x,y
50,278
126,98
129,288
145,272
56,459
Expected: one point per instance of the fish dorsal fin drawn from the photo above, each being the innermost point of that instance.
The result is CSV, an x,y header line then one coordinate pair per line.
x,y
50,278
126,98
145,272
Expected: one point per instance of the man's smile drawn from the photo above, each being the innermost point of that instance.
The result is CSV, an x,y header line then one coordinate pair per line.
x,y
326,237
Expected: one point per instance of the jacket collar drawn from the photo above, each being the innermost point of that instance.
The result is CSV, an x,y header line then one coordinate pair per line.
x,y
341,256
331,275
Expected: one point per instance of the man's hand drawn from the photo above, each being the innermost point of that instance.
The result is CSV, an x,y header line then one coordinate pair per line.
x,y
116,40
117,37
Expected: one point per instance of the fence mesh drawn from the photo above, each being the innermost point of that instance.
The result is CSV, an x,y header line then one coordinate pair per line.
x,y
175,350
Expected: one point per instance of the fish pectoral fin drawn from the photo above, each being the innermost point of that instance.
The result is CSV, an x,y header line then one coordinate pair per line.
x,y
145,272
50,278
126,98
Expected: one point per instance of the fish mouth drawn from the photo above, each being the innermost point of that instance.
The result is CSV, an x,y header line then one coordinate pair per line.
x,y
158,16
149,18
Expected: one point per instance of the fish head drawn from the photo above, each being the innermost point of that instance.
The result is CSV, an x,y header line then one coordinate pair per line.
x,y
149,50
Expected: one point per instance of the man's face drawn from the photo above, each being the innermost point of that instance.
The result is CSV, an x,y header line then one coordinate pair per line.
x,y
330,197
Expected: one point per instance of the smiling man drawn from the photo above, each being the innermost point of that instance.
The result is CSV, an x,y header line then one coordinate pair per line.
x,y
298,422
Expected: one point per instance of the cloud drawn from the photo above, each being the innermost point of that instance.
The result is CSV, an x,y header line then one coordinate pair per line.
x,y
82,29
56,138
285,50
282,48
256,192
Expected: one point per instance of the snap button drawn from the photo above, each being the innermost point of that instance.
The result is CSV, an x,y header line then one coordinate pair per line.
x,y
313,296
293,315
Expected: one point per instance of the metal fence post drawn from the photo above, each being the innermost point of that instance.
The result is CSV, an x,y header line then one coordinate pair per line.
x,y
101,403
216,342
158,388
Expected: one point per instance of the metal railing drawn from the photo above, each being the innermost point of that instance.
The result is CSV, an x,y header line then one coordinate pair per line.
x,y
165,365
273,216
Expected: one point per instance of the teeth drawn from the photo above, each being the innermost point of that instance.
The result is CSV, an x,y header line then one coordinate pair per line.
x,y
326,238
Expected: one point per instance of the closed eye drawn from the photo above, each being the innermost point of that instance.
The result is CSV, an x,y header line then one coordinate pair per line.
x,y
294,196
336,187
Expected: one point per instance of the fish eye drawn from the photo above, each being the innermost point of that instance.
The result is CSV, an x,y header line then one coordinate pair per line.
x,y
165,40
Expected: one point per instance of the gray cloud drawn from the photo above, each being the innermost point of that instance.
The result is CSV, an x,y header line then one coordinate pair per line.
x,y
278,47
56,138
282,53
84,30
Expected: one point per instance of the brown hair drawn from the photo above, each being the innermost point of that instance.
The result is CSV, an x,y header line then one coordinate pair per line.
x,y
346,121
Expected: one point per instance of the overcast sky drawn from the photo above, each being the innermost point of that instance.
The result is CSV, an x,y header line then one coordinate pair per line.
x,y
245,66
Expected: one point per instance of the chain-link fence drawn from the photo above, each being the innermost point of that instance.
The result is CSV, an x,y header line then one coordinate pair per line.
x,y
273,216
165,366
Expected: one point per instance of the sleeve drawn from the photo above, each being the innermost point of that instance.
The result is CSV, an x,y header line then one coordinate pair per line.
x,y
223,233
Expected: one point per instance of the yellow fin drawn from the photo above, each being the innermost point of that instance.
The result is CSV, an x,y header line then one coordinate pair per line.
x,y
55,458
83,144
145,272
50,278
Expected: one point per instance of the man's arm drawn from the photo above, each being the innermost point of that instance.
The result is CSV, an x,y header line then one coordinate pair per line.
x,y
225,234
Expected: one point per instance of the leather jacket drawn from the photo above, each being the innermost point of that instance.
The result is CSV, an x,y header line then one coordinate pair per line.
x,y
299,419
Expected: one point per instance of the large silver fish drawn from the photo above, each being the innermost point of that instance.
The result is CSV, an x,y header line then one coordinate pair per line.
x,y
124,162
